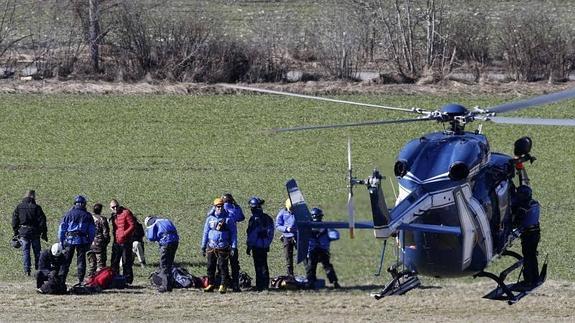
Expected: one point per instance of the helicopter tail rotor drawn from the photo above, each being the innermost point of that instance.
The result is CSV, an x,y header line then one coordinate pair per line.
x,y
351,182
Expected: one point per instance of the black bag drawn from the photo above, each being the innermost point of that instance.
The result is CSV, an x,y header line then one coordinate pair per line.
x,y
81,289
182,278
245,280
286,283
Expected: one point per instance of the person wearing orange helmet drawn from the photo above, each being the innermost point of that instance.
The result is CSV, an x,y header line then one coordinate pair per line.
x,y
218,243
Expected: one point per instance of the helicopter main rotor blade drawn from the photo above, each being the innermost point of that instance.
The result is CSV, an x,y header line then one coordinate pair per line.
x,y
538,100
358,124
253,89
534,121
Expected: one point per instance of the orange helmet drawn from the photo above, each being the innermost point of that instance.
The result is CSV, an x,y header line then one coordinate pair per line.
x,y
218,201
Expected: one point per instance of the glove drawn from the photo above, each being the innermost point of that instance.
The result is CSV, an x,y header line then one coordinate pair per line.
x,y
233,252
45,236
204,252
249,251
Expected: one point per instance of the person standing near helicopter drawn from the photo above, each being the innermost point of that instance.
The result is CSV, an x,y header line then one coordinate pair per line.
x,y
318,251
526,211
285,223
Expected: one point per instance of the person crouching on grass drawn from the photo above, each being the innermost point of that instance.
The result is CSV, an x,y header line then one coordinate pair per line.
x,y
164,232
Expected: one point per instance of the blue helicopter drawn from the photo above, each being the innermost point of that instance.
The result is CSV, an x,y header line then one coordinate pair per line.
x,y
452,216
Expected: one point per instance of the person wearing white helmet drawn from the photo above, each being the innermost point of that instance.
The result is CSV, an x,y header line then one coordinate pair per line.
x,y
49,264
285,223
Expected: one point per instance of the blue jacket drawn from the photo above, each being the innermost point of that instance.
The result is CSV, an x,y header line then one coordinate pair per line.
x,y
77,227
235,212
284,220
163,231
319,239
220,232
260,230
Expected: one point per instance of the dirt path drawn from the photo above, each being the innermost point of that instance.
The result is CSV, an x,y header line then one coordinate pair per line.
x,y
553,302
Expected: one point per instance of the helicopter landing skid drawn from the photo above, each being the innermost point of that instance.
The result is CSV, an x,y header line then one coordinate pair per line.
x,y
512,293
401,283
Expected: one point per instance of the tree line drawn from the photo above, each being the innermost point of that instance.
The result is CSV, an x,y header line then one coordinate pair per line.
x,y
404,40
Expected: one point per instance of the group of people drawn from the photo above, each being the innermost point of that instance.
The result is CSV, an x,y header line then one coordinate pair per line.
x,y
80,232
88,234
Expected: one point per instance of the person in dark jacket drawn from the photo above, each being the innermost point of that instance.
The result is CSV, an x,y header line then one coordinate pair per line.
x,y
318,251
260,234
526,212
237,214
285,223
123,227
219,241
164,232
138,243
97,255
51,260
29,224
76,233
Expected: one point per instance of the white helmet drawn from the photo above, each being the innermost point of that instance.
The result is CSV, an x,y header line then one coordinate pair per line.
x,y
56,249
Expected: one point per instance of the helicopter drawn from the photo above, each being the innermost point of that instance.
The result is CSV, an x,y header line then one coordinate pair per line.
x,y
453,215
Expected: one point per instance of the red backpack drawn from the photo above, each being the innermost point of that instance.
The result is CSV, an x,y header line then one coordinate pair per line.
x,y
102,278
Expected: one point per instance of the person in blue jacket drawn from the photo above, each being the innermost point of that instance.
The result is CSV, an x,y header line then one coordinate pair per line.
x,y
76,233
318,251
164,232
235,213
219,242
526,212
285,223
260,234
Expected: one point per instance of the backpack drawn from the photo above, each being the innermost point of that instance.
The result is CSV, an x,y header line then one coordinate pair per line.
x,y
286,283
80,289
182,278
102,278
245,280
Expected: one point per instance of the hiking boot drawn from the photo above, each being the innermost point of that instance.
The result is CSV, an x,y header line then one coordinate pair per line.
x,y
209,288
236,289
223,289
336,285
39,291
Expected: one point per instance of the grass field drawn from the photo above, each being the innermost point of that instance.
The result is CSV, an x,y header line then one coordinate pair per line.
x,y
171,155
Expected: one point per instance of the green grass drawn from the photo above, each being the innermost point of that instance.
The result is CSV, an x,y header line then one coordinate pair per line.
x,y
171,155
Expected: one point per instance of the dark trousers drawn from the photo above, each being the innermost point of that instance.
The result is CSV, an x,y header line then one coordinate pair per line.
x,y
235,266
167,256
96,261
42,276
218,258
80,250
34,244
289,244
529,243
123,252
315,256
260,256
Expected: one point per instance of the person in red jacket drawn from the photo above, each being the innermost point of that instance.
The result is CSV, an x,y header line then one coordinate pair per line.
x,y
123,227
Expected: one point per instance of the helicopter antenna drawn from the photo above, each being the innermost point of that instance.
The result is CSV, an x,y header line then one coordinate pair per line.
x,y
350,206
393,188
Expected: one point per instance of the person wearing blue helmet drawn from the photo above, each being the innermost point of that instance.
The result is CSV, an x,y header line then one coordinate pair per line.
x,y
260,234
164,232
76,233
526,212
318,251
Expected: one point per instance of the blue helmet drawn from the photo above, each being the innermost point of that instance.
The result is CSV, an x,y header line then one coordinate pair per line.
x,y
79,199
316,214
256,202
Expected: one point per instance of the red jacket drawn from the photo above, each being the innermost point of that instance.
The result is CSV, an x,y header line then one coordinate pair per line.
x,y
124,226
